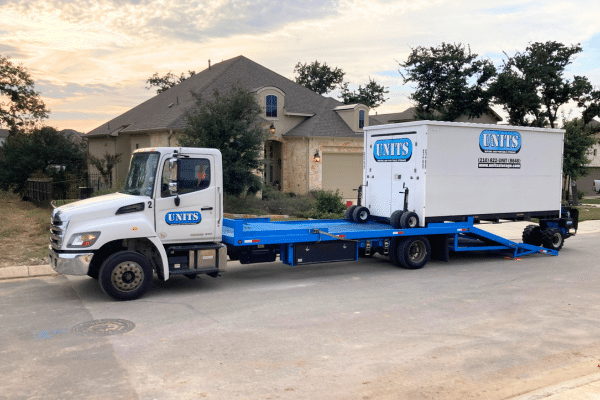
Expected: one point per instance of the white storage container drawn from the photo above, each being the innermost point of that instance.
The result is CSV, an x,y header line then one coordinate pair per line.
x,y
447,171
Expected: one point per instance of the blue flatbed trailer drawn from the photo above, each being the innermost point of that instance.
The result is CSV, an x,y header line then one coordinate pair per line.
x,y
318,241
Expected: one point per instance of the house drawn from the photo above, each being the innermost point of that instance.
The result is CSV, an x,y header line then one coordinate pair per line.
x,y
315,142
491,117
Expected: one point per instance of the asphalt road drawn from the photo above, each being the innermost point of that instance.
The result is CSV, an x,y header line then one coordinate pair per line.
x,y
480,326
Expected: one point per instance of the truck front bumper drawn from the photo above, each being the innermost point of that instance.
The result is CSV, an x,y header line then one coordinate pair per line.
x,y
70,263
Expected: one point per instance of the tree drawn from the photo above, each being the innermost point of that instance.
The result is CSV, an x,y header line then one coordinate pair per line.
x,y
372,95
44,149
105,165
229,122
166,82
20,104
532,88
578,139
319,78
450,82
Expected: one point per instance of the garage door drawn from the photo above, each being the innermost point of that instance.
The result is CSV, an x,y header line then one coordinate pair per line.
x,y
343,172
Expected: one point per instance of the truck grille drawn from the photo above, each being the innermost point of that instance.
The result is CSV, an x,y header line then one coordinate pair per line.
x,y
57,230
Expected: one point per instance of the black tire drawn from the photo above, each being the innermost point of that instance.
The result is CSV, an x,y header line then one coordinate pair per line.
x,y
394,251
409,220
532,234
553,239
395,219
350,213
413,252
361,214
125,275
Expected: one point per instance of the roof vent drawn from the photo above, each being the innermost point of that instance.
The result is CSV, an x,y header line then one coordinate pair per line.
x,y
209,64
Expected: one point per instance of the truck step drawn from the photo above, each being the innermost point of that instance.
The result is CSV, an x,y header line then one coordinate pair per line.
x,y
203,258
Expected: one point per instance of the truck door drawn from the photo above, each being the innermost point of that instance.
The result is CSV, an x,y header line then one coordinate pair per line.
x,y
195,218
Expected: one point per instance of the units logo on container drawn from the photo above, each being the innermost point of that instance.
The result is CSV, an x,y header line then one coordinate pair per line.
x,y
491,141
183,218
390,150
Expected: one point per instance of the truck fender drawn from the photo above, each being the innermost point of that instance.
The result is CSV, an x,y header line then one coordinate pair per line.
x,y
163,255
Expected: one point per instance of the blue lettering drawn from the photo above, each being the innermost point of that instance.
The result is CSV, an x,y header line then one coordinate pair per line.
x,y
500,141
392,150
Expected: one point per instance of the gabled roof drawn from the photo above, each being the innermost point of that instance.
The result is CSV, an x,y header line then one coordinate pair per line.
x,y
409,115
166,111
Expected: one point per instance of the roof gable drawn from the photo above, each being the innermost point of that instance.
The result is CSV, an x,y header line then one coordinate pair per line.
x,y
166,111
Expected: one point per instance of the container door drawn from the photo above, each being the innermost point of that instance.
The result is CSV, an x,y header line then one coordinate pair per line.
x,y
195,218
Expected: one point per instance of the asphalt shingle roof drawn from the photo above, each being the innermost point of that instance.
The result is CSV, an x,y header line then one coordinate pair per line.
x,y
166,110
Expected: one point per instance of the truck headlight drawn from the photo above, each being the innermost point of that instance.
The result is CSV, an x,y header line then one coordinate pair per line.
x,y
85,239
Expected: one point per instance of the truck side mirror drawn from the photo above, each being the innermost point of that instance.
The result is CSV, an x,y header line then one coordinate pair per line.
x,y
173,176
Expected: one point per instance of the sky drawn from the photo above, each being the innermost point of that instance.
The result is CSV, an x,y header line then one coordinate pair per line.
x,y
90,59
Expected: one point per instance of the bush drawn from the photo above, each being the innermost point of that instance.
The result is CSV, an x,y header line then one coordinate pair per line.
x,y
329,202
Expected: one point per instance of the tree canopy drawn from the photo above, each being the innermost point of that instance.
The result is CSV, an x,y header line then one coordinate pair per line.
x,y
20,105
322,79
45,150
167,81
229,122
532,87
372,95
449,82
578,139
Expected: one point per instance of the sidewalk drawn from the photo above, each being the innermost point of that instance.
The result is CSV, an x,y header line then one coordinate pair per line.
x,y
508,230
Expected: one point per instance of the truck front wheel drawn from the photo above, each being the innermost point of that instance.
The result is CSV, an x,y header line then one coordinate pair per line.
x,y
125,275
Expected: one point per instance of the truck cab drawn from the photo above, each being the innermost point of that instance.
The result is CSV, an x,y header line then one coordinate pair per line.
x,y
168,218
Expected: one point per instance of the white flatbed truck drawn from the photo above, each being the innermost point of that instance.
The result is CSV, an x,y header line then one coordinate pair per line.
x,y
169,217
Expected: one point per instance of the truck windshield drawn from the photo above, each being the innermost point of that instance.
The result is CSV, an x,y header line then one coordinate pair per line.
x,y
140,178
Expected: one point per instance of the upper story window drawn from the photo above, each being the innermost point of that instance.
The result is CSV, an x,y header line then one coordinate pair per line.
x,y
271,106
361,119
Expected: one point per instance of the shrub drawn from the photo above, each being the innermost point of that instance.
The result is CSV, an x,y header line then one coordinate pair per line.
x,y
329,202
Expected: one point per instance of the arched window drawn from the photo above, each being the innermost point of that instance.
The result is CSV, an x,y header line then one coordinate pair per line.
x,y
361,119
272,106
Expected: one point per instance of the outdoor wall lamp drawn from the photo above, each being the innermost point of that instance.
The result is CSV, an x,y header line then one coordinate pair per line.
x,y
272,129
317,157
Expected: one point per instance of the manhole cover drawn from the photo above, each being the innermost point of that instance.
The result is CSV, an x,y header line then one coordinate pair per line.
x,y
103,327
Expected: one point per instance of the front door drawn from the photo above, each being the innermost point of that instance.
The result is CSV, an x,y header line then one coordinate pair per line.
x,y
195,218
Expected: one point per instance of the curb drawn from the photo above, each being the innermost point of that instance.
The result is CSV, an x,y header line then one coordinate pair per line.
x,y
586,387
26,271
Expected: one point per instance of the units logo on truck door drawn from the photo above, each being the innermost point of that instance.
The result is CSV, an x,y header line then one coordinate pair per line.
x,y
392,150
491,141
183,218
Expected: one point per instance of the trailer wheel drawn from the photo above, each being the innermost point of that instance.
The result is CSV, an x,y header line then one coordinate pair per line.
x,y
361,214
532,234
125,275
395,219
413,252
553,239
394,251
409,219
350,212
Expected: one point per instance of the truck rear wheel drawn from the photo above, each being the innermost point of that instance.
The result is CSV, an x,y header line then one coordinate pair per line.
x,y
411,252
125,275
553,239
